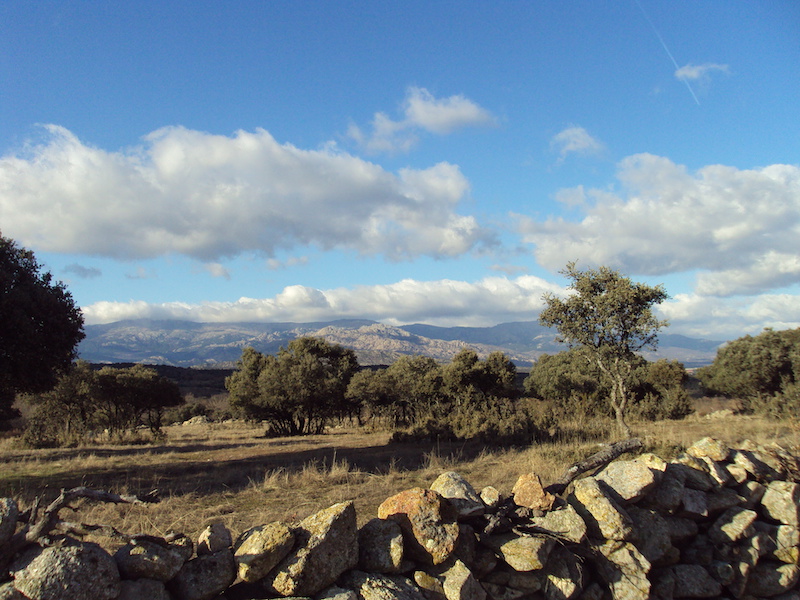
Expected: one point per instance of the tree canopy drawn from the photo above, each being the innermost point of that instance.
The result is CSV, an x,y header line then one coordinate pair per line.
x,y
758,369
611,317
87,402
298,391
40,326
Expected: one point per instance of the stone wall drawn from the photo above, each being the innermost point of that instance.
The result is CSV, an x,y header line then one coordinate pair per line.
x,y
715,523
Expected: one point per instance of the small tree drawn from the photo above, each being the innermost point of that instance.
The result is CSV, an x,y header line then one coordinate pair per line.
x,y
610,316
299,390
40,326
85,401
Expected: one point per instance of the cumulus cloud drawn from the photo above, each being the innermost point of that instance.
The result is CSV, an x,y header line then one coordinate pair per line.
x,y
740,227
574,140
422,112
692,72
444,302
83,272
212,196
726,319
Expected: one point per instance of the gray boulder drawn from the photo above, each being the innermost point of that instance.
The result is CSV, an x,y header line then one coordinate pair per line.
x,y
604,517
8,519
149,559
204,577
143,589
70,571
380,547
262,548
460,493
372,586
326,547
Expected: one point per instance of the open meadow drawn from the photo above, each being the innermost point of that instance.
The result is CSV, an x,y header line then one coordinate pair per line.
x,y
229,472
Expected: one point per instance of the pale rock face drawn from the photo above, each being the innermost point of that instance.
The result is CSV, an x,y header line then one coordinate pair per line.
x,y
781,502
631,480
262,548
85,569
326,547
372,586
711,448
521,552
564,522
460,493
214,538
624,569
380,547
604,516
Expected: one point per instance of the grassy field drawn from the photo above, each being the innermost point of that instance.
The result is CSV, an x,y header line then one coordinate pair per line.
x,y
229,472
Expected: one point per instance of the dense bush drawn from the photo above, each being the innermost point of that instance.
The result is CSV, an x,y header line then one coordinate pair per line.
x,y
576,388
763,372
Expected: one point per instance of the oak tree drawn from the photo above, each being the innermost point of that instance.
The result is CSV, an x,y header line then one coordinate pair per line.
x,y
40,326
611,318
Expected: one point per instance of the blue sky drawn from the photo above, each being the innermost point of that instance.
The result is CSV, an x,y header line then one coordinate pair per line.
x,y
432,162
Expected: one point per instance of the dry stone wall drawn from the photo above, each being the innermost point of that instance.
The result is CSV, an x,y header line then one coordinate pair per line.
x,y
716,522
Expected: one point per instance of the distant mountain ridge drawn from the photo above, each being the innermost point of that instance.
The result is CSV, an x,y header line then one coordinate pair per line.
x,y
219,345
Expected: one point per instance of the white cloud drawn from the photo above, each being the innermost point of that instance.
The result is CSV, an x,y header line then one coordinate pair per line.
x,y
740,226
726,319
574,140
692,72
422,112
446,302
213,196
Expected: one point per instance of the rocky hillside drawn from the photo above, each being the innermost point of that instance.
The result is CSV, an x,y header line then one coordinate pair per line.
x,y
219,345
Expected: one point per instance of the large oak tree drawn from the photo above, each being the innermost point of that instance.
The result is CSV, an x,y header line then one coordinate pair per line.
x,y
40,326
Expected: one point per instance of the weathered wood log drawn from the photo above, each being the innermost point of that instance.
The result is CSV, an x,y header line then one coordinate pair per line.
x,y
38,526
596,460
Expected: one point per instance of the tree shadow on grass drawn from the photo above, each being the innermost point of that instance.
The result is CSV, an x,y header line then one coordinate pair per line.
x,y
213,475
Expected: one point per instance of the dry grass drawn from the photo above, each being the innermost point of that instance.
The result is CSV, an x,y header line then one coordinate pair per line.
x,y
229,473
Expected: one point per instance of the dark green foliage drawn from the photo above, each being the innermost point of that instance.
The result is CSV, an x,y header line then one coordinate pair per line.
x,y
499,422
574,385
298,391
610,317
40,326
85,403
762,371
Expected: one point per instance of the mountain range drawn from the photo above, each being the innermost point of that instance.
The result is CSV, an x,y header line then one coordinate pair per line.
x,y
219,345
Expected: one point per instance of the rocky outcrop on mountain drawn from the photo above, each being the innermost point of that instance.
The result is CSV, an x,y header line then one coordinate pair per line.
x,y
716,522
220,345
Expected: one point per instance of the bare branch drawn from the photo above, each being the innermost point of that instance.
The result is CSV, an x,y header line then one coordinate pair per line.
x,y
40,525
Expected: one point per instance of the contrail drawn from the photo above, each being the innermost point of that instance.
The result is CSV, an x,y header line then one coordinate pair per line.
x,y
664,45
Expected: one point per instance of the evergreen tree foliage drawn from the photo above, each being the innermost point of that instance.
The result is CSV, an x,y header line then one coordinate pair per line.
x,y
762,371
40,326
86,403
298,391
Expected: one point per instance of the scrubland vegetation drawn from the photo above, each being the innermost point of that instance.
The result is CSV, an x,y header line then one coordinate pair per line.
x,y
308,427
